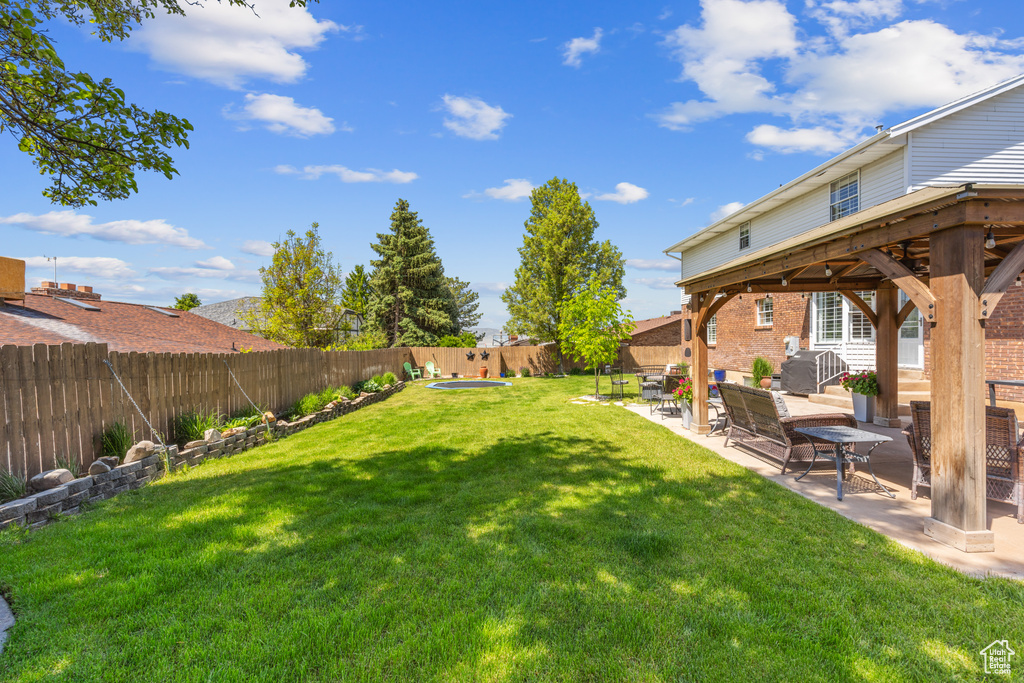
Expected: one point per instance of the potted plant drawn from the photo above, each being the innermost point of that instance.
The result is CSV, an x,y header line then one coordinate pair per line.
x,y
684,394
483,372
863,386
762,370
682,368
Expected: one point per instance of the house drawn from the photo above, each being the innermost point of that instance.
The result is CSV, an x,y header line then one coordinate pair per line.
x,y
977,139
57,314
666,330
231,313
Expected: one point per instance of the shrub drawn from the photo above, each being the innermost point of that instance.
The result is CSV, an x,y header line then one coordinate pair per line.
x,y
344,392
389,378
116,441
191,425
12,486
524,372
466,340
575,371
761,368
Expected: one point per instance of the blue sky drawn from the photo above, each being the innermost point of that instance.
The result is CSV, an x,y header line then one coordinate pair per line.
x,y
666,115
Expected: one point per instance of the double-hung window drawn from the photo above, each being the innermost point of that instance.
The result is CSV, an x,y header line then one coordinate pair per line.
x,y
844,196
712,326
765,311
829,328
861,329
745,235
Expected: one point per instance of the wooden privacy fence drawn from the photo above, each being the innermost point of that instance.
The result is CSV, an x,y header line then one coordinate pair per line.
x,y
57,401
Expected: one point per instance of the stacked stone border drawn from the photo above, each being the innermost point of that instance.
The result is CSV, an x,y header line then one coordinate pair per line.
x,y
39,509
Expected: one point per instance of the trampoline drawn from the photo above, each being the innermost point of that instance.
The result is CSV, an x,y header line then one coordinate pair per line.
x,y
468,384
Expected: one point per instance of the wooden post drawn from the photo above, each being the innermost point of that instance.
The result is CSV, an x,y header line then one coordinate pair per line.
x,y
887,357
958,409
699,362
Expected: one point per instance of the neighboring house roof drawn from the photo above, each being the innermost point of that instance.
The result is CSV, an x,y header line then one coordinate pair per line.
x,y
642,326
877,146
228,312
44,319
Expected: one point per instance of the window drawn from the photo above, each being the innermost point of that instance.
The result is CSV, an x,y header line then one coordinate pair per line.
x,y
844,196
860,327
764,312
712,326
829,327
745,235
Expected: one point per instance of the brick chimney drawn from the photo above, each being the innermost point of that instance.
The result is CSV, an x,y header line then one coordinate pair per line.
x,y
68,290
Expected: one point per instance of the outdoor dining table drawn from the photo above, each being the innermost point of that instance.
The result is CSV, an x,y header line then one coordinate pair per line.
x,y
840,435
650,385
1002,382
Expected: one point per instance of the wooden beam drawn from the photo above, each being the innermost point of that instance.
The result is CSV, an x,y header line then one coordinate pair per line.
x,y
958,413
862,238
848,270
717,305
904,313
1005,274
887,413
813,286
855,299
699,364
905,279
706,300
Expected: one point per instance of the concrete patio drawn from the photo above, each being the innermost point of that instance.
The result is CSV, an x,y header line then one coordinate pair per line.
x,y
901,519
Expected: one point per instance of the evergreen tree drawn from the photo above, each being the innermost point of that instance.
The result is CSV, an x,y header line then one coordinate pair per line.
x,y
466,303
356,294
299,305
412,305
559,257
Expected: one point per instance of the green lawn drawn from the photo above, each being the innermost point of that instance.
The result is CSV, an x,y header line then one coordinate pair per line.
x,y
500,534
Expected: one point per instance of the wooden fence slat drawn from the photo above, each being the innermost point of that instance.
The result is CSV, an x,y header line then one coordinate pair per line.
x,y
44,405
91,393
59,406
30,408
8,395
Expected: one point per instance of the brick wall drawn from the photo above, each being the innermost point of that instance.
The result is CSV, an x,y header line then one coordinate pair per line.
x,y
740,340
666,335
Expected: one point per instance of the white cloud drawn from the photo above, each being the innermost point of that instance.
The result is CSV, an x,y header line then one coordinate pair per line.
x,y
97,266
217,263
656,282
490,287
514,189
258,248
573,51
472,118
347,175
652,264
684,202
750,57
71,224
625,193
726,210
280,114
201,269
230,45
818,138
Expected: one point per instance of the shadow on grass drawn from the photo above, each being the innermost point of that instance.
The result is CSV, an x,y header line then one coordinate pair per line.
x,y
546,556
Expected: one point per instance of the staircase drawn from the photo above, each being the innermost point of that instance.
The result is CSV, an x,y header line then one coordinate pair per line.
x,y
913,387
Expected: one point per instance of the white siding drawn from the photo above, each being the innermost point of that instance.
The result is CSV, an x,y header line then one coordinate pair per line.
x,y
983,143
880,181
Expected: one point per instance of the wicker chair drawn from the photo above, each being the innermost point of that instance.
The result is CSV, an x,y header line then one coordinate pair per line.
x,y
1004,454
754,422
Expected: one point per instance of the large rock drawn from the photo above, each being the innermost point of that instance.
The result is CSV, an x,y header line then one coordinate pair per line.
x,y
270,417
142,449
211,435
110,461
98,467
232,432
194,444
50,479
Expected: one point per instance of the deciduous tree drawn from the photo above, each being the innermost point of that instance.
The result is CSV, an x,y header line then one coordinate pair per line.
x,y
592,326
186,302
80,130
300,304
559,256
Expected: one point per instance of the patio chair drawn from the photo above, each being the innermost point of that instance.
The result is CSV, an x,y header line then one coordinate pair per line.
x,y
1003,454
755,422
666,397
431,371
618,383
413,373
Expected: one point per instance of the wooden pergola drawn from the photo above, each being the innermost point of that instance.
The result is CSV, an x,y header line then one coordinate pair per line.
x,y
953,251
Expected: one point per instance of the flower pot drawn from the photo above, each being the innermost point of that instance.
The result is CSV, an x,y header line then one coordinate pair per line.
x,y
687,410
863,407
483,373
766,382
719,375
